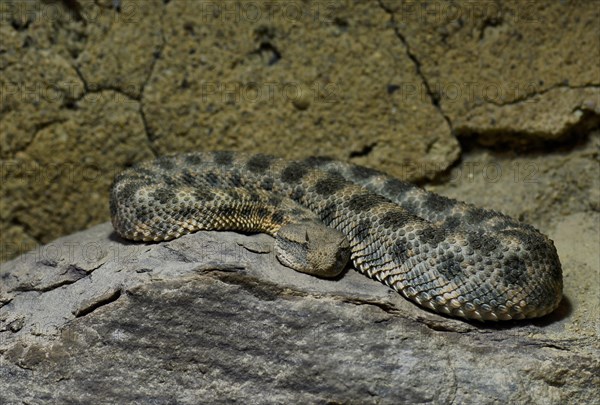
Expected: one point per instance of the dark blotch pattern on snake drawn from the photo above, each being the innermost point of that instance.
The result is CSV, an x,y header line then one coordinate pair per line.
x,y
443,254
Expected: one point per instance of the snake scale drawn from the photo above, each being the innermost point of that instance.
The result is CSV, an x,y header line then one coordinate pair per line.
x,y
443,254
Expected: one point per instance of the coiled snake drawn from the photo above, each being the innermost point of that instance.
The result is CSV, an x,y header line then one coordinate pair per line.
x,y
443,254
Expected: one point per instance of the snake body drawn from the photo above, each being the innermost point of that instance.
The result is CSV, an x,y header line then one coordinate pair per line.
x,y
445,255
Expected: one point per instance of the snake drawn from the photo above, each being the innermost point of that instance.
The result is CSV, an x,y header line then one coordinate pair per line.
x,y
445,255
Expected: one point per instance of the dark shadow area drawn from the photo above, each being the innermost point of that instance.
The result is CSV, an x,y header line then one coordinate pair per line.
x,y
115,237
502,141
563,310
512,146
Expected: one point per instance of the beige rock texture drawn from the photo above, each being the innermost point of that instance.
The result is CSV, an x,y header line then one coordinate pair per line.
x,y
505,68
88,88
492,102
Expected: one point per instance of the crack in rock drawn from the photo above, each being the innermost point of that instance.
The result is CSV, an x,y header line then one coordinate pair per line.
x,y
89,306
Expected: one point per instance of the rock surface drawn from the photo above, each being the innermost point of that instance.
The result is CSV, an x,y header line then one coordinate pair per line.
x,y
501,66
214,318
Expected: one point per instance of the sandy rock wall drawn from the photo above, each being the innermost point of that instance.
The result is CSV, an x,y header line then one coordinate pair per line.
x,y
87,89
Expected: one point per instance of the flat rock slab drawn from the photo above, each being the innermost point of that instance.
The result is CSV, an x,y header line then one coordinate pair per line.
x,y
214,318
